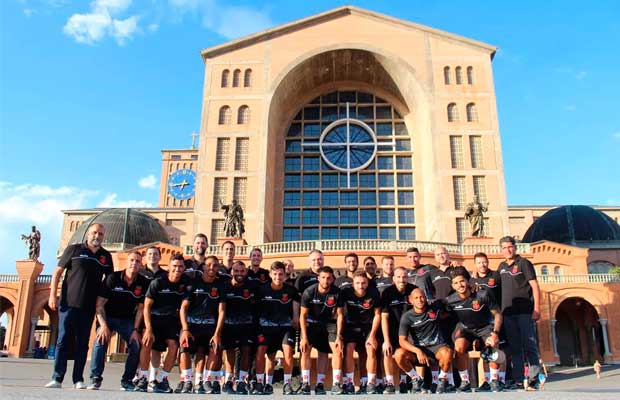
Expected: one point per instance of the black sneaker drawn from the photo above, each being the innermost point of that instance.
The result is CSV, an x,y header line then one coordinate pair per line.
x,y
363,389
349,388
337,388
287,389
179,387
371,388
381,387
442,386
241,388
162,387
464,388
485,387
389,389
188,387
217,388
228,387
200,388
495,386
127,386
319,389
425,389
268,389
305,389
416,385
142,385
257,389
402,387
95,384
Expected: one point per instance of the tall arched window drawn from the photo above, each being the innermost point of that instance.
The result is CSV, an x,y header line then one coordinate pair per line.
x,y
224,118
446,75
236,77
470,75
247,78
453,113
243,115
459,75
544,270
225,75
472,113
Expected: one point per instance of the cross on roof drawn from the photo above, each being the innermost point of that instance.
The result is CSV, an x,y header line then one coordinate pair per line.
x,y
194,135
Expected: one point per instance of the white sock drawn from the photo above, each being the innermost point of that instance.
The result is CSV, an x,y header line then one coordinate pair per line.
x,y
413,374
487,377
442,374
403,378
389,379
153,374
435,376
364,380
494,373
502,376
336,375
287,378
186,375
205,373
451,378
372,378
229,376
305,376
143,373
260,378
320,378
198,378
350,376
464,375
243,375
269,380
163,374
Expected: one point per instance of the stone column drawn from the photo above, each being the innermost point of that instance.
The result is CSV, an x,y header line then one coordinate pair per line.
x,y
603,322
33,326
28,270
554,340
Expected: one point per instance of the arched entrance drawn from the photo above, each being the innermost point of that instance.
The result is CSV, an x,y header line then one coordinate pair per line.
x,y
7,309
578,332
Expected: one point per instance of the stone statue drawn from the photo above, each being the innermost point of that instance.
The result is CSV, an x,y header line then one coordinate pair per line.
x,y
475,215
33,241
233,219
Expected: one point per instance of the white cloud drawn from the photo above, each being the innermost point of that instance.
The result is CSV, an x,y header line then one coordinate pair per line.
x,y
579,75
616,135
28,12
148,182
153,27
92,27
110,201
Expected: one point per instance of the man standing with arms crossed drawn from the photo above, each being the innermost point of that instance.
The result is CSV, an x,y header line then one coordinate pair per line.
x,y
85,265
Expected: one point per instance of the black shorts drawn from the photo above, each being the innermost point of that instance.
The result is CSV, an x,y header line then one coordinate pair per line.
x,y
275,338
471,335
356,334
163,330
321,335
431,350
202,338
235,336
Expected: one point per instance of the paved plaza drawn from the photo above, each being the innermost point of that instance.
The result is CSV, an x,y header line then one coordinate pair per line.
x,y
24,379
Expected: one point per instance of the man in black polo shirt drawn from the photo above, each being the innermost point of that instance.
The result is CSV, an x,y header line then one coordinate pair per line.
x,y
321,322
277,306
351,262
485,278
521,310
387,273
194,264
394,303
228,258
441,275
161,319
420,275
290,267
422,324
310,276
256,274
119,309
202,319
479,318
238,332
84,266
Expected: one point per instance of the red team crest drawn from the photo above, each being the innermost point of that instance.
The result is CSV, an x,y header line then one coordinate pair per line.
x,y
285,297
491,282
366,304
475,305
213,292
246,293
420,272
102,259
137,291
261,338
515,269
330,301
432,314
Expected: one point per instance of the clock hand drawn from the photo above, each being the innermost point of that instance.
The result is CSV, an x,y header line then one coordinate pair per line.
x,y
182,184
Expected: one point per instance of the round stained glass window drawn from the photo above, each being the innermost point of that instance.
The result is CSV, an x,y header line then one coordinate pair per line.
x,y
348,145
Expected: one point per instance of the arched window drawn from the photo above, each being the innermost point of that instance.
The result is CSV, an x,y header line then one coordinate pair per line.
x,y
247,78
557,270
446,75
224,118
472,113
243,115
470,75
225,75
236,77
544,270
453,113
459,75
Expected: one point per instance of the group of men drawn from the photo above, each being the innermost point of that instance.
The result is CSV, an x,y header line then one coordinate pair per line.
x,y
223,322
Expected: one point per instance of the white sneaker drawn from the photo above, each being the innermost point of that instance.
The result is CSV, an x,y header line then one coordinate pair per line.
x,y
53,384
80,385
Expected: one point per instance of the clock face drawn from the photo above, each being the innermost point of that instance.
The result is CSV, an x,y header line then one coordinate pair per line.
x,y
182,184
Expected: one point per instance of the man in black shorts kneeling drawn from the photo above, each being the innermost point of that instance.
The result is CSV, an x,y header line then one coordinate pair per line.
x,y
422,323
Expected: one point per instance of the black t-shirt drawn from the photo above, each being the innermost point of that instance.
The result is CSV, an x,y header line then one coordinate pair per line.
x,y
291,282
275,307
205,299
359,310
150,275
224,273
422,277
383,283
259,277
123,299
517,297
193,268
167,296
305,280
240,301
395,304
424,328
491,282
475,311
84,272
442,283
343,282
321,306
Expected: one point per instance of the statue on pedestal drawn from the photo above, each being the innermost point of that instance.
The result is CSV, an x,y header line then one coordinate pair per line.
x,y
33,241
475,215
233,219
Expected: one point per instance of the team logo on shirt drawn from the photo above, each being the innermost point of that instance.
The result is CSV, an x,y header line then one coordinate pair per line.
x,y
102,259
432,314
420,272
475,305
515,269
366,304
261,338
246,293
491,282
330,301
285,297
138,290
214,292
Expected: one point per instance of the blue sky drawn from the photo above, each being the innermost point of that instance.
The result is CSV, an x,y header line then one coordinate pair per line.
x,y
91,91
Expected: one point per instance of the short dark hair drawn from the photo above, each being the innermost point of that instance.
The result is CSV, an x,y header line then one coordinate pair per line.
x,y
400,268
212,257
256,249
315,251
327,269
387,258
228,242
371,258
177,257
508,239
352,255
238,262
359,273
201,235
135,252
155,248
460,271
481,255
276,265
413,250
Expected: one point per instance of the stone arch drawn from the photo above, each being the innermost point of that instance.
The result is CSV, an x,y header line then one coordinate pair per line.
x,y
578,330
591,295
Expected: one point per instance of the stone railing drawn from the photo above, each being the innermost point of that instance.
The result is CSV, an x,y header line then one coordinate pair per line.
x,y
43,279
9,278
583,278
